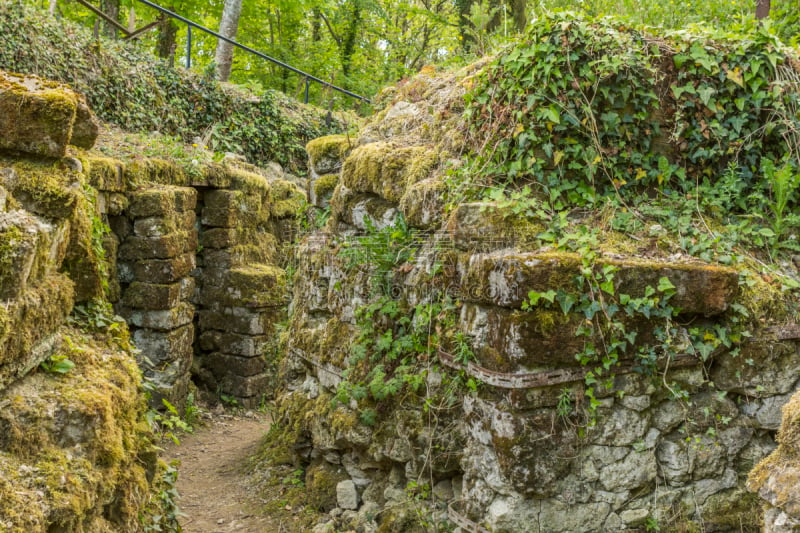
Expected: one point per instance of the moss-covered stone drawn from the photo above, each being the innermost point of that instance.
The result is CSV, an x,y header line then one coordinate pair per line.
x,y
75,452
326,154
35,118
136,248
321,481
254,285
386,169
286,199
161,201
28,322
423,203
105,173
321,189
505,279
50,190
163,271
140,172
153,296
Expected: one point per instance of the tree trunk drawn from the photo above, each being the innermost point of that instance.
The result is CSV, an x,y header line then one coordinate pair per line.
x,y
132,20
518,12
53,6
167,40
228,26
110,8
316,25
464,24
348,47
762,9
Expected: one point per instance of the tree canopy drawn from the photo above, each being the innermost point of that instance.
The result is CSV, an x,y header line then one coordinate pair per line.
x,y
363,45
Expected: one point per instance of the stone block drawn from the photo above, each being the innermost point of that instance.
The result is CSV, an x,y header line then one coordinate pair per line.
x,y
86,127
162,201
484,226
228,258
233,343
220,238
326,154
245,386
136,248
256,285
226,199
423,203
28,321
169,382
347,495
231,218
106,174
165,320
240,320
161,226
113,203
36,117
504,279
153,296
160,347
161,270
30,248
222,365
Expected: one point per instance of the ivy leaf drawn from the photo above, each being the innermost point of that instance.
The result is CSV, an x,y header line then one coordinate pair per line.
x,y
566,301
608,287
664,285
551,113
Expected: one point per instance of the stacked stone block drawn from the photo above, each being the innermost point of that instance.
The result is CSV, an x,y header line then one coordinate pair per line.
x,y
156,260
242,292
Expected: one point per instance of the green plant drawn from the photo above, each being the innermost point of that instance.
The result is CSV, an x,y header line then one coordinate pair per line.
x,y
57,364
783,183
163,515
169,423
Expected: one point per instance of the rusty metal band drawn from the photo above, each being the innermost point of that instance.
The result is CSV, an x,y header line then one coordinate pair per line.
x,y
463,522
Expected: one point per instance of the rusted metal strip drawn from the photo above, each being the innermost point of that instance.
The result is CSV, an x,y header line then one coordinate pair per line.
x,y
544,378
327,367
463,522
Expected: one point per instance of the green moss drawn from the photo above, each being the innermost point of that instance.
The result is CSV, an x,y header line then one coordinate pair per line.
x,y
105,173
286,199
324,185
333,147
386,170
153,170
76,453
47,189
321,481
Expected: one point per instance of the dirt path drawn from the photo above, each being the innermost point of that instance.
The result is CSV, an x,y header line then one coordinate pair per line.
x,y
212,478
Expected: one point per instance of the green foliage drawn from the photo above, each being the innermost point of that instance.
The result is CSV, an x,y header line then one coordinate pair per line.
x,y
125,86
163,514
596,109
57,364
170,423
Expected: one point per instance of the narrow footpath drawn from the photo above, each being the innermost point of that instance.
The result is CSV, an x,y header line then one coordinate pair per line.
x,y
212,477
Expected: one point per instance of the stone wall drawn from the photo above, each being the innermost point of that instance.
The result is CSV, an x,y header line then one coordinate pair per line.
x,y
516,455
75,453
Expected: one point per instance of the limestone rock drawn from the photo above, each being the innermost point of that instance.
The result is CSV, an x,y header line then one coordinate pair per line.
x,y
347,494
40,117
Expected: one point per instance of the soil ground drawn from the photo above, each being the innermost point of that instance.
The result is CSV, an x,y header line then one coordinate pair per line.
x,y
217,494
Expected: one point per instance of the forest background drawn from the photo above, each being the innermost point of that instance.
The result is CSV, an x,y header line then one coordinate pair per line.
x,y
364,45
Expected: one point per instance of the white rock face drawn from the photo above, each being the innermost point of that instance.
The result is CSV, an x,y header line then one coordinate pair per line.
x,y
347,495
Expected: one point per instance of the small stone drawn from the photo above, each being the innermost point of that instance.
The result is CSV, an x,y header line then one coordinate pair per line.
x,y
634,517
347,494
443,490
